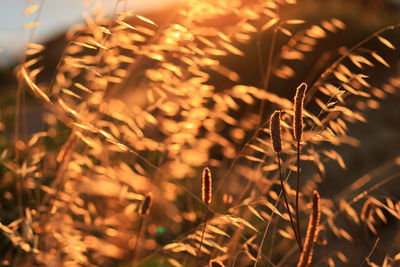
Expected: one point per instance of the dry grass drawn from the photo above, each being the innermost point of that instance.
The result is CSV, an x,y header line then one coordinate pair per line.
x,y
132,109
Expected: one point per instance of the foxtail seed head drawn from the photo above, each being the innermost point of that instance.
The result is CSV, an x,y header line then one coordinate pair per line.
x,y
206,188
312,232
298,111
275,129
145,206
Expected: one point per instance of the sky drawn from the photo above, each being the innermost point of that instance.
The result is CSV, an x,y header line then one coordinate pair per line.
x,y
56,17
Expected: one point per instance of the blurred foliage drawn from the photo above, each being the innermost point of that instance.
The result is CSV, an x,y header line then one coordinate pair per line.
x,y
121,107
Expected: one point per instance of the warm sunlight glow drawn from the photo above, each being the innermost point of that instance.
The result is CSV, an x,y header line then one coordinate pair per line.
x,y
199,133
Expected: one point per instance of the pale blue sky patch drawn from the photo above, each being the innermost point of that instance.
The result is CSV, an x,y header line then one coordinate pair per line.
x,y
56,17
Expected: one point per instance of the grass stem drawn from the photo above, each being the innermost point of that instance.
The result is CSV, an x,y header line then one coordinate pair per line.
x,y
297,195
204,229
135,249
287,204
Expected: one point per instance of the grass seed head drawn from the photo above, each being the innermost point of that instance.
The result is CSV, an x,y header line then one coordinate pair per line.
x,y
275,128
312,232
145,206
298,111
206,189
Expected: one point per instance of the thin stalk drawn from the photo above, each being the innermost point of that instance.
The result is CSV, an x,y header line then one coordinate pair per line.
x,y
235,259
266,231
297,194
287,204
249,182
202,234
268,72
332,67
270,56
137,240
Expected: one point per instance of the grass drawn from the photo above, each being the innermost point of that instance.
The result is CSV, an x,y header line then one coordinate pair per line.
x,y
137,108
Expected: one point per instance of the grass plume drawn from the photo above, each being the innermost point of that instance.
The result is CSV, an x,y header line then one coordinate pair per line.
x,y
298,132
312,232
206,186
145,206
298,111
276,132
206,195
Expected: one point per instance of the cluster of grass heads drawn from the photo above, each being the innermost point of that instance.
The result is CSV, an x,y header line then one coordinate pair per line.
x,y
132,117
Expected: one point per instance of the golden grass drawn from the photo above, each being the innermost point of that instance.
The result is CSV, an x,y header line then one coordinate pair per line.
x,y
132,109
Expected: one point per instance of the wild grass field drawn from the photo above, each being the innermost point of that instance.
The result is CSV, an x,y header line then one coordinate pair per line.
x,y
220,133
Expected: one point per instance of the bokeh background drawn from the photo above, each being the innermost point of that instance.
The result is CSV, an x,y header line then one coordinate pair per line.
x,y
361,17
378,138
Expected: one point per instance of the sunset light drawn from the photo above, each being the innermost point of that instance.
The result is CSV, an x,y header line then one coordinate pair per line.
x,y
240,133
